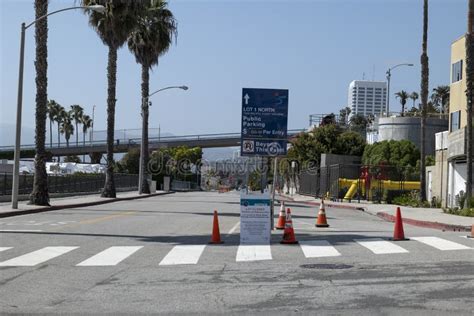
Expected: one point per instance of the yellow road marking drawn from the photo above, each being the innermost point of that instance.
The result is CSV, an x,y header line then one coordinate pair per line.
x,y
101,219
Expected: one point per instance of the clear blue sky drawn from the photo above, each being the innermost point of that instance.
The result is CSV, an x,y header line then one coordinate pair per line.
x,y
313,48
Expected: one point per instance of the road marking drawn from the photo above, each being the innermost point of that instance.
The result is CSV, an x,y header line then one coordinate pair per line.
x,y
233,229
183,254
36,257
380,246
439,243
5,248
253,253
318,248
20,230
110,256
99,219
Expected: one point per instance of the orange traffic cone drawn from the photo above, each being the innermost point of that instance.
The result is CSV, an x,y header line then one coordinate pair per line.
x,y
472,232
398,233
281,217
216,235
322,221
289,233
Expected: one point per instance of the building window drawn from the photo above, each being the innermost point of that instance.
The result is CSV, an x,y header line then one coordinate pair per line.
x,y
455,120
457,71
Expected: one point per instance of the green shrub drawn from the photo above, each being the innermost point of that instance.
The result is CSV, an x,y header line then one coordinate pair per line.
x,y
411,199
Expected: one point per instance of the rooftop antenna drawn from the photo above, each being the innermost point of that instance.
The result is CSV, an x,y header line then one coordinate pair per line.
x,y
363,76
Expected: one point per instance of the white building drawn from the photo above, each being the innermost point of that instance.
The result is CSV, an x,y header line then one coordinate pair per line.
x,y
367,97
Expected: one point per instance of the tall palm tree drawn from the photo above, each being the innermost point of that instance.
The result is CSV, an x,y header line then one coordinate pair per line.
x,y
77,112
441,97
113,27
66,127
86,122
424,99
62,114
414,96
40,195
403,96
469,95
151,38
53,111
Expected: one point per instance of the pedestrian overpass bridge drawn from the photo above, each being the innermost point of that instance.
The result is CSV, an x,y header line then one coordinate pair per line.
x,y
122,145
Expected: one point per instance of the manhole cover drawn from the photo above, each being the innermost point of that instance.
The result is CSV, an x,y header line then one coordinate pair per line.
x,y
326,266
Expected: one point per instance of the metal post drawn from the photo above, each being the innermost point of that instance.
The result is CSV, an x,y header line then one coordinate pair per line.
x,y
16,165
275,182
388,92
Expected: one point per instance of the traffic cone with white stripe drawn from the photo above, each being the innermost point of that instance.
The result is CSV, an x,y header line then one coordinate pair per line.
x,y
289,233
472,232
322,221
281,217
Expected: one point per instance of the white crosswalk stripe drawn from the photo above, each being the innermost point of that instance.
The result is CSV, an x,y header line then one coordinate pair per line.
x,y
110,256
441,244
253,253
380,246
37,257
5,248
183,254
318,248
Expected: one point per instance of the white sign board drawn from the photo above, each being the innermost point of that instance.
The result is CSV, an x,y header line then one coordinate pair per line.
x,y
255,218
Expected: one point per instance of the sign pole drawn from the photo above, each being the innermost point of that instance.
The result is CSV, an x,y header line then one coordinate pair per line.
x,y
275,182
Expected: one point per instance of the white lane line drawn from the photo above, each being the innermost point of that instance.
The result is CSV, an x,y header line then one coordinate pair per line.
x,y
20,230
36,257
318,248
183,254
380,246
5,248
110,256
233,229
439,243
253,253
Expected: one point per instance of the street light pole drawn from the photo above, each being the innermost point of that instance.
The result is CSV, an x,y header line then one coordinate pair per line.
x,y
16,158
389,75
141,168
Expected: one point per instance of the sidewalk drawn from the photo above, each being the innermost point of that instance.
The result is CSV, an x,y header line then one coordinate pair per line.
x,y
70,202
423,217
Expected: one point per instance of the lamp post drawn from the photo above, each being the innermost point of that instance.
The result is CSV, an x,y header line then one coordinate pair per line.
x,y
389,75
16,164
141,168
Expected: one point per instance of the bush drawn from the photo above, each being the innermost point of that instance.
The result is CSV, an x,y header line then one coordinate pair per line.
x,y
460,212
411,199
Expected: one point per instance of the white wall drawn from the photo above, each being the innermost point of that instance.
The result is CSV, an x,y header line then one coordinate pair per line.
x,y
456,181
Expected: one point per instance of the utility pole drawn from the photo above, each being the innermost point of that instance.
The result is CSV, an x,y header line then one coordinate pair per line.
x,y
469,93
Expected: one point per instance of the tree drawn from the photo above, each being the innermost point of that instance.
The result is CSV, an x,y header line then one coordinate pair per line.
x,y
440,98
53,112
414,96
113,27
344,116
40,195
469,96
401,153
150,39
350,143
86,122
66,127
62,113
72,158
424,99
403,97
76,114
130,161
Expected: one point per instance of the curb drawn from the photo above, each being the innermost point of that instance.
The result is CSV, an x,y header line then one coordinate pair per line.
x,y
60,207
289,199
426,224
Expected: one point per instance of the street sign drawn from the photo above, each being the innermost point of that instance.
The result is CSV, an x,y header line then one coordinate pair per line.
x,y
255,218
264,122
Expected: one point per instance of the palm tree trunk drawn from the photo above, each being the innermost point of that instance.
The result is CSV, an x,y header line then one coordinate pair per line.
x,y
145,113
40,195
424,100
109,188
59,135
50,133
77,136
470,93
83,144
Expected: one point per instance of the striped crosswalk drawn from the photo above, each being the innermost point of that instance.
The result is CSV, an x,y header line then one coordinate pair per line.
x,y
191,254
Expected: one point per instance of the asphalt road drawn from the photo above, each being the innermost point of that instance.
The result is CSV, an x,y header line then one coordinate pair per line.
x,y
128,257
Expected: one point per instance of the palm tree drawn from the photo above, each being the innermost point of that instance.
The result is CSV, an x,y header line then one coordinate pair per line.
x,y
469,95
66,127
403,96
76,114
414,96
86,124
440,97
113,27
424,99
53,111
151,38
62,114
40,195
